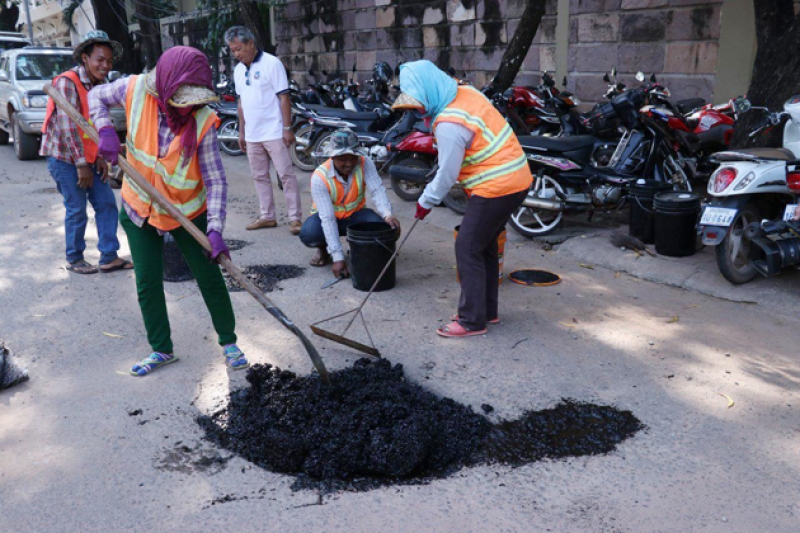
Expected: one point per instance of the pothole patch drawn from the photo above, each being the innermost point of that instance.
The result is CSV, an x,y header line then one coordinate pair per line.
x,y
265,277
371,428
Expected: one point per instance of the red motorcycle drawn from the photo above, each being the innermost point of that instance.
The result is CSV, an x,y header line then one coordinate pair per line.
x,y
698,129
412,165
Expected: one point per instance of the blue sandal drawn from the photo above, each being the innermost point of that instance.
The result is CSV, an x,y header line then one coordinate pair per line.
x,y
234,358
152,362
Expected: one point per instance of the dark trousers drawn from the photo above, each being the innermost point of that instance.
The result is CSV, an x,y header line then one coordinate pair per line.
x,y
476,256
312,235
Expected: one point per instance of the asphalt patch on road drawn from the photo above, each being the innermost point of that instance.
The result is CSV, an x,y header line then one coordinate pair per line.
x,y
235,244
266,277
371,427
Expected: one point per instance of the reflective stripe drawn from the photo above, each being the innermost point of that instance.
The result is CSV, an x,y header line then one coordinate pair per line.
x,y
189,207
326,173
470,119
491,149
496,172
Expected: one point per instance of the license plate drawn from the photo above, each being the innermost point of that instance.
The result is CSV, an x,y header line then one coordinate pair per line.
x,y
789,213
718,216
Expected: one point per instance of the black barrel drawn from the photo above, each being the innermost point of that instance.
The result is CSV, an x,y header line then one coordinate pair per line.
x,y
676,215
175,267
640,196
371,246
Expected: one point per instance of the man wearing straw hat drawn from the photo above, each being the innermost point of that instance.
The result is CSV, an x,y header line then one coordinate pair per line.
x,y
73,162
172,142
338,187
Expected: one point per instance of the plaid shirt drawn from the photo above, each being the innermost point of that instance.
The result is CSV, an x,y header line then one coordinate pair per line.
x,y
61,138
101,98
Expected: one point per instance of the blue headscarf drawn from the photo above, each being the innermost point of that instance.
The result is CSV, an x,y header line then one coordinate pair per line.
x,y
424,81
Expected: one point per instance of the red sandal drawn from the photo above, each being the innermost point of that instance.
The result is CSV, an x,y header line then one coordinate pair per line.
x,y
454,329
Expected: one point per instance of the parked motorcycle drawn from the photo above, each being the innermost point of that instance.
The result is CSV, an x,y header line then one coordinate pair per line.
x,y
749,185
228,131
566,178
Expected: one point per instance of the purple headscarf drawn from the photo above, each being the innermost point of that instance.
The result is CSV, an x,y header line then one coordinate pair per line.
x,y
181,65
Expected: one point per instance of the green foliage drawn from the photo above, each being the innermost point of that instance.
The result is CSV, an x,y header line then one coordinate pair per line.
x,y
69,12
9,12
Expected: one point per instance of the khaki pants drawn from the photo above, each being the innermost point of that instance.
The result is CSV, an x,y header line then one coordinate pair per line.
x,y
259,155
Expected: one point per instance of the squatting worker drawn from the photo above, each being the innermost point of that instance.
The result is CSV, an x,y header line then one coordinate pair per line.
x,y
72,159
478,149
338,187
265,125
172,142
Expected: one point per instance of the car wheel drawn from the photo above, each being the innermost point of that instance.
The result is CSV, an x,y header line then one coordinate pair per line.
x,y
25,146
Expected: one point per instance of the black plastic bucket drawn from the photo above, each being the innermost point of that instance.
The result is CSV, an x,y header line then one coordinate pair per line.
x,y
641,223
676,215
175,266
371,246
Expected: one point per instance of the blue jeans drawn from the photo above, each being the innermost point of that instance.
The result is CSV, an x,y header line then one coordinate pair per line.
x,y
312,235
105,211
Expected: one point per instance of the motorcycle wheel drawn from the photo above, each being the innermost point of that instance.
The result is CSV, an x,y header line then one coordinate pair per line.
x,y
230,126
530,222
303,158
456,200
408,190
733,253
323,145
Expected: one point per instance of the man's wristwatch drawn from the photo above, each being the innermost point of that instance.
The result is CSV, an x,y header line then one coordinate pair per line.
x,y
287,128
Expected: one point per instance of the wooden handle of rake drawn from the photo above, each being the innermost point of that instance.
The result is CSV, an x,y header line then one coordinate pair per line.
x,y
380,276
194,231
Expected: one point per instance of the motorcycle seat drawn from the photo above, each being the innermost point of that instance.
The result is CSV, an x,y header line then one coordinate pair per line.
x,y
745,154
358,116
689,104
557,144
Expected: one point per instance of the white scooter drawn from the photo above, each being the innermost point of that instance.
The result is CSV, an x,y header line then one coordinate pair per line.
x,y
749,185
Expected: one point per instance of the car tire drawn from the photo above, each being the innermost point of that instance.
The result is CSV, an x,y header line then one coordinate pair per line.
x,y
25,146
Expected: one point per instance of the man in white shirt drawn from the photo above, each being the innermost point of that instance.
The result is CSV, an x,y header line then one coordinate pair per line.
x,y
265,124
338,188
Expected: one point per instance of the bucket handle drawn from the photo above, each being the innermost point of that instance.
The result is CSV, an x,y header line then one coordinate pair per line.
x,y
387,248
638,201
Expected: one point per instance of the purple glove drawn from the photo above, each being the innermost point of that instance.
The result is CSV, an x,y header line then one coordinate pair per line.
x,y
218,245
109,145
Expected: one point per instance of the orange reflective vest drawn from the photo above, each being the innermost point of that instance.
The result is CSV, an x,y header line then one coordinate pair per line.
x,y
89,147
344,205
495,164
181,184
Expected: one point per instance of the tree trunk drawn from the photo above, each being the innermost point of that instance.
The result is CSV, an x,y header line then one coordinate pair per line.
x,y
150,31
520,44
250,14
776,71
112,19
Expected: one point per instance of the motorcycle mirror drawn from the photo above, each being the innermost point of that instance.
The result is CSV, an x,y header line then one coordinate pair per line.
x,y
613,72
606,78
640,76
742,104
354,68
564,81
653,78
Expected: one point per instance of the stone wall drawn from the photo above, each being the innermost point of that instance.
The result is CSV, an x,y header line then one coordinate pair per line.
x,y
676,39
468,35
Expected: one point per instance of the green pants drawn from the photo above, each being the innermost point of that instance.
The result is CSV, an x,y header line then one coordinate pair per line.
x,y
147,248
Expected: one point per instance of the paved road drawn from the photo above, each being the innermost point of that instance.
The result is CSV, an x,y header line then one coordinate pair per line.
x,y
71,457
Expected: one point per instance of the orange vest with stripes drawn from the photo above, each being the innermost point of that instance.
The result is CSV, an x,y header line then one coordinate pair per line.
x,y
344,205
182,185
89,146
495,164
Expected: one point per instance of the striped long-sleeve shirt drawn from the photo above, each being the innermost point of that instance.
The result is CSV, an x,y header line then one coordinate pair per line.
x,y
61,138
101,98
327,216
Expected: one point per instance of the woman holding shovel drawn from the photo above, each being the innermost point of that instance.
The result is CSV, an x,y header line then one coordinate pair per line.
x,y
478,149
172,142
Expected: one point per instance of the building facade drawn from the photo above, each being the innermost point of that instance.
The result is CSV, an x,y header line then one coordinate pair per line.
x,y
47,22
